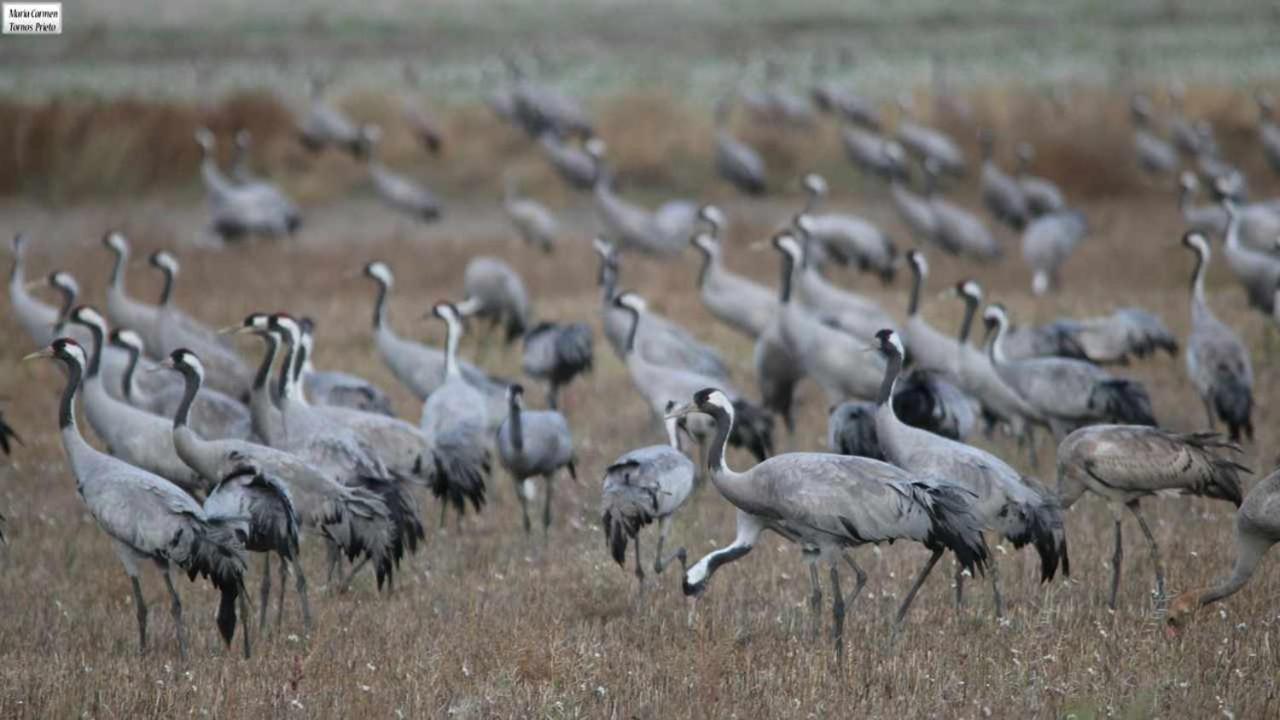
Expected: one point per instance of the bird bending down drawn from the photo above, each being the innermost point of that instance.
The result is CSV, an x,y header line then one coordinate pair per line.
x,y
828,504
645,484
149,518
1125,463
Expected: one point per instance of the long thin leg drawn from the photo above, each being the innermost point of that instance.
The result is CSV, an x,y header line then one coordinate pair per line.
x,y
335,555
244,629
1155,550
639,566
1033,457
837,612
959,586
265,598
915,588
993,569
860,577
284,576
175,607
140,607
300,582
1208,412
1115,566
815,598
524,506
660,563
345,585
444,508
546,506
553,396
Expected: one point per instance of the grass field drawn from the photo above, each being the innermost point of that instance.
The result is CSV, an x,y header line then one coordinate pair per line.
x,y
486,622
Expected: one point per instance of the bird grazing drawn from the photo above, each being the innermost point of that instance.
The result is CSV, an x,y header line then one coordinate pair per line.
x,y
956,230
1217,360
843,238
1257,528
243,207
534,443
1047,242
1065,392
929,144
1125,463
1043,196
828,504
147,517
324,125
1155,155
578,166
737,162
536,224
494,291
424,125
646,484
400,192
662,233
1257,271
867,151
334,388
1001,193
556,353
1007,503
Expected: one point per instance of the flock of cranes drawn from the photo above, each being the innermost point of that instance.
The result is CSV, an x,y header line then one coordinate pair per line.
x,y
210,458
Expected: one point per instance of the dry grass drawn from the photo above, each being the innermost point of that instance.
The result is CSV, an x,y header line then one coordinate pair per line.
x,y
487,623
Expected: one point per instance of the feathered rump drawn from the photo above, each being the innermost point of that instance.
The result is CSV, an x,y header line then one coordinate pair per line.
x,y
1122,401
1233,401
851,430
752,429
574,347
1223,482
217,553
361,524
459,470
952,524
406,526
625,508
1038,520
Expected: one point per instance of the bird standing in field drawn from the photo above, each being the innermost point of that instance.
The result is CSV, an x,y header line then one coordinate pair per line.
x,y
1125,463
534,443
646,484
147,517
557,353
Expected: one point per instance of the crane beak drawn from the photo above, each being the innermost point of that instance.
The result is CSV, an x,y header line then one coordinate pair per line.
x,y
34,285
45,353
233,330
681,411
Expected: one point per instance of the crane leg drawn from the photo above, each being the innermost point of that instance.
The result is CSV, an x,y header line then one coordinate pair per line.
x,y
284,576
444,507
553,396
140,607
639,566
837,612
993,569
1116,559
300,581
1029,439
345,585
546,506
959,586
815,598
660,563
860,577
1155,550
1208,412
334,556
915,588
175,607
244,626
265,598
524,507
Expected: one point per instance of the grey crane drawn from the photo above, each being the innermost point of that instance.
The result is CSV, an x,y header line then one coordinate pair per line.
x,y
338,450
324,125
135,436
147,517
1259,221
661,384
456,422
841,99
1258,272
397,190
636,228
1108,339
540,108
123,310
268,424
243,208
578,166
737,162
661,341
536,224
929,348
336,388
1067,393
213,415
1001,192
866,149
353,520
827,504
1257,528
1183,132
1007,503
1124,463
834,359
1211,218
269,521
1043,196
1155,155
419,367
915,209
493,291
534,443
929,144
1047,242
37,318
1268,130
423,123
740,303
228,372
957,230
1217,361
643,485
242,171
556,353
847,239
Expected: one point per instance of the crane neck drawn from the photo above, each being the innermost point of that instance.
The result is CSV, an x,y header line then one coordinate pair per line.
x,y
966,325
126,382
788,270
16,275
1232,237
917,281
95,357
673,428
380,306
517,425
190,387
995,345
452,336
1197,279
716,465
263,375
166,291
892,369
1251,550
631,333
286,375
708,260
67,406
117,270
